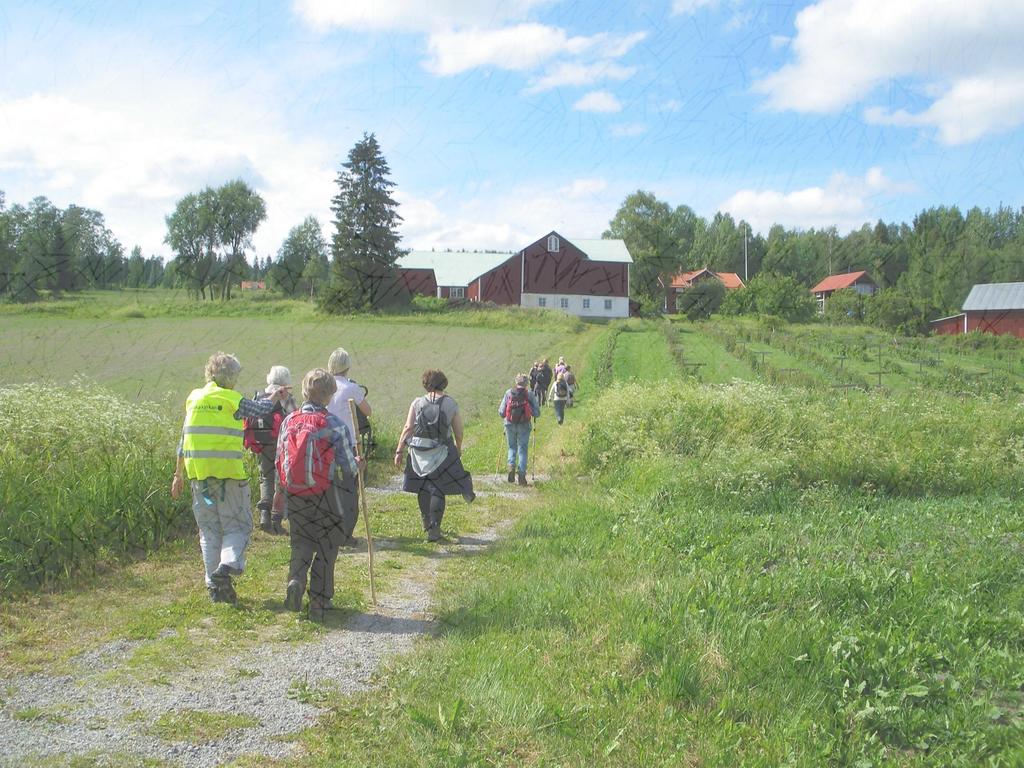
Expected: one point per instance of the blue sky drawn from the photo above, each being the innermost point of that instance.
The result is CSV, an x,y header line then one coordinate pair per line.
x,y
504,120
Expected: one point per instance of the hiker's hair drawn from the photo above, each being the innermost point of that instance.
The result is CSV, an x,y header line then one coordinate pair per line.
x,y
223,369
521,379
279,375
317,386
339,361
434,380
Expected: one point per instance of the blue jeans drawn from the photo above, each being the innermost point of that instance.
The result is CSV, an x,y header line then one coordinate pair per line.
x,y
518,444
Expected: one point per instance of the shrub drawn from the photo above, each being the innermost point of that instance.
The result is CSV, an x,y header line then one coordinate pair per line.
x,y
83,474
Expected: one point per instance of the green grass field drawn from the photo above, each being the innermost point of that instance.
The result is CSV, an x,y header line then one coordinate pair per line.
x,y
718,574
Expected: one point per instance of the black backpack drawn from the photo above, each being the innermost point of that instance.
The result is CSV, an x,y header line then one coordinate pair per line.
x,y
561,388
517,408
431,421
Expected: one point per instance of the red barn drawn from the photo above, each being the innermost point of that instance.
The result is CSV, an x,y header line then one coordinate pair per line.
x,y
685,280
861,282
589,278
448,273
990,308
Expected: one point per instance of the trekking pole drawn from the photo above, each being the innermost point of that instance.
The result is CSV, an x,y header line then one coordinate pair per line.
x,y
533,453
366,511
502,452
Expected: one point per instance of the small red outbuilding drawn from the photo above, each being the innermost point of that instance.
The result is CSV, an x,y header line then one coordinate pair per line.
x,y
989,308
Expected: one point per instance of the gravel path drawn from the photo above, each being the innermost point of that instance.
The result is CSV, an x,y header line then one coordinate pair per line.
x,y
81,715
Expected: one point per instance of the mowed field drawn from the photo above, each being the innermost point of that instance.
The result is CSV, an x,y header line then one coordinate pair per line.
x,y
161,359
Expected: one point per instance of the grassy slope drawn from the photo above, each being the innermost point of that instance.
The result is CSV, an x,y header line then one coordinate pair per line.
x,y
650,619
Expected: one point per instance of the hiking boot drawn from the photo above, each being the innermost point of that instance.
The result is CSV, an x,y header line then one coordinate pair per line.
x,y
522,479
266,524
317,613
511,474
351,542
293,596
214,594
276,527
221,579
434,532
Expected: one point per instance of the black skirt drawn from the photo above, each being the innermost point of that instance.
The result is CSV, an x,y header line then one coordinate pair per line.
x,y
451,478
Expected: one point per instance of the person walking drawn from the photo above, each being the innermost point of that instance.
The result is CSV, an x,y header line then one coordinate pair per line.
x,y
210,456
339,364
431,444
572,384
544,378
261,438
316,462
559,395
519,408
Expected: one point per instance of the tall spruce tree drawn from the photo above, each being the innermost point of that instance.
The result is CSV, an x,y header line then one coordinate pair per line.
x,y
364,247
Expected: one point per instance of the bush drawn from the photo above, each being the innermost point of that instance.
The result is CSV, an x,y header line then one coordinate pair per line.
x,y
83,475
700,301
845,307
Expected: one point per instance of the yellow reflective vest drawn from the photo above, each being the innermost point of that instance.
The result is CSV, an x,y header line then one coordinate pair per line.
x,y
212,436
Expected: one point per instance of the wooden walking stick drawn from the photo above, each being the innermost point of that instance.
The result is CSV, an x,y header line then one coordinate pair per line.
x,y
362,504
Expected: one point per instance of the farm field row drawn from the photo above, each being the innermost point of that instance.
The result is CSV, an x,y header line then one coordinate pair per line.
x,y
835,355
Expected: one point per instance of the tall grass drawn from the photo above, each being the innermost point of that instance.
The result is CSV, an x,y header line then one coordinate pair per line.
x,y
748,435
84,476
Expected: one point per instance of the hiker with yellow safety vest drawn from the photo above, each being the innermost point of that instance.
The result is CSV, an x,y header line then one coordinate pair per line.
x,y
210,455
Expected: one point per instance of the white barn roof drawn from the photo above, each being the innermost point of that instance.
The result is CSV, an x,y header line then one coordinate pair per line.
x,y
604,250
454,267
995,296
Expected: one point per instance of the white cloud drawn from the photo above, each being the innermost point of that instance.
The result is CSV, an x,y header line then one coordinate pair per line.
x,y
132,156
522,47
627,130
690,7
578,74
411,15
845,202
967,54
970,109
508,219
598,101
527,46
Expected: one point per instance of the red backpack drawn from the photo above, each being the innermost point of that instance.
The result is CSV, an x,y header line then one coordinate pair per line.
x,y
517,408
305,461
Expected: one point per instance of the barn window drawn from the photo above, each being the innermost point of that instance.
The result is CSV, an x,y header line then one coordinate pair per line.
x,y
553,245
607,303
542,302
586,303
563,303
458,293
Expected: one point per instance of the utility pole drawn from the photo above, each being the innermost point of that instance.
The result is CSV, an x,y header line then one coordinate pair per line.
x,y
746,231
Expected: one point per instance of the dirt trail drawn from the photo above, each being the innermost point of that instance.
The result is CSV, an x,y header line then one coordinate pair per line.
x,y
277,685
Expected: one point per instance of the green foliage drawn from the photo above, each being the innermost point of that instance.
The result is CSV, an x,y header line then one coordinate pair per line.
x,y
301,264
701,300
771,294
893,311
83,475
845,307
210,232
365,244
658,239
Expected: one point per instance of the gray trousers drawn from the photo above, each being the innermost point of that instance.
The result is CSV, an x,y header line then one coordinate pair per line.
x,y
224,517
268,479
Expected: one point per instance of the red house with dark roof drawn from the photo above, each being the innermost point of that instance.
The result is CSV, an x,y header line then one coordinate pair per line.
x,y
861,282
685,280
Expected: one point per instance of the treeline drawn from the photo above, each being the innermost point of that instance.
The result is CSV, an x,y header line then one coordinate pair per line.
x,y
45,248
926,267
